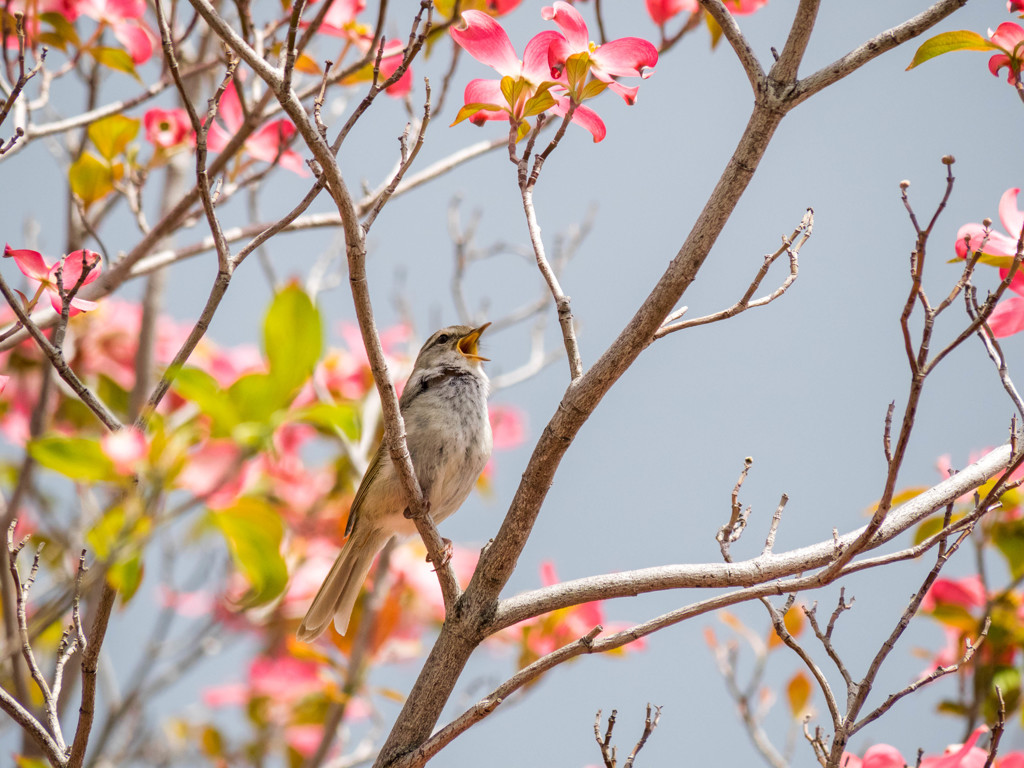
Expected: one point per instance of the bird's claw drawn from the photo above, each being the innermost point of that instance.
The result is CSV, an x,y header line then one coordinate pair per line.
x,y
408,515
447,550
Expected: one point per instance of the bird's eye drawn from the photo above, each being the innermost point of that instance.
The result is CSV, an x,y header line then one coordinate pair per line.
x,y
443,338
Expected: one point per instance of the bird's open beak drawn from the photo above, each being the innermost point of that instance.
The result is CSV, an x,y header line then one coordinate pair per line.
x,y
468,344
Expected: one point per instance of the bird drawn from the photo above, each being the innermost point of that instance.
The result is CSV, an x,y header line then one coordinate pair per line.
x,y
448,433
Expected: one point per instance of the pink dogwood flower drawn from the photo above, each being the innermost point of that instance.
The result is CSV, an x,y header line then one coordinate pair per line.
x,y
167,128
124,17
1009,38
34,266
625,57
956,756
661,11
264,144
526,84
1008,317
340,21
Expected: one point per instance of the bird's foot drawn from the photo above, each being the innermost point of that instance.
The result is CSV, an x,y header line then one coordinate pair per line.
x,y
408,515
447,550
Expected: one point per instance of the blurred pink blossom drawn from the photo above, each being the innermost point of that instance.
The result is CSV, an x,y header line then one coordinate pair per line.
x,y
126,448
167,128
267,143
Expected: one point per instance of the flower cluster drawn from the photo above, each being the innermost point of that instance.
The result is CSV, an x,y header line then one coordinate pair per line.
x,y
558,72
966,755
999,250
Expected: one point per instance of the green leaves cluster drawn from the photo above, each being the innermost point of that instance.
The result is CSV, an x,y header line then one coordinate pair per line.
x,y
247,413
93,175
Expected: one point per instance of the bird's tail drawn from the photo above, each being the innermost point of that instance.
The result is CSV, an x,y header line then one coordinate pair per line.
x,y
337,595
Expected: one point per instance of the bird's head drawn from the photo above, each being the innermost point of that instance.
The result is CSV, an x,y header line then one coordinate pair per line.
x,y
456,345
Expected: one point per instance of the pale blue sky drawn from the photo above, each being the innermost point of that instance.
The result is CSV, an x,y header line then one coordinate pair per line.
x,y
801,386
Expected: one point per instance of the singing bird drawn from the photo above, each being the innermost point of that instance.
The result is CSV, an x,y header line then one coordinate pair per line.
x,y
444,405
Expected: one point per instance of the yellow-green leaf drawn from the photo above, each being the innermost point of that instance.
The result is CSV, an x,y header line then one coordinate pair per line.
x,y
91,179
714,29
331,416
125,575
1008,536
253,531
293,338
63,29
257,397
468,110
115,58
594,88
202,389
111,134
959,40
541,102
76,457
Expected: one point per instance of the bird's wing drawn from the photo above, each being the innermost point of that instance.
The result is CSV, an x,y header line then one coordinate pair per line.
x,y
372,471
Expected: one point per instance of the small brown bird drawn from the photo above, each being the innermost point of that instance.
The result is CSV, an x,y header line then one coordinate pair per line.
x,y
444,405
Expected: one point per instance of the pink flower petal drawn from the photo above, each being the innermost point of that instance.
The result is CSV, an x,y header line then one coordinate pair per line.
x,y
217,138
75,263
661,11
997,244
1007,36
627,57
230,108
538,57
486,41
137,39
964,756
882,756
583,117
1009,214
3,382
486,92
31,263
1008,317
628,93
570,22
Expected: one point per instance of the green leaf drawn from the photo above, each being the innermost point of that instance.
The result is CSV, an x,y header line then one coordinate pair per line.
x,y
125,576
331,416
115,58
960,40
257,396
30,762
111,134
76,457
91,179
253,531
202,389
293,338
